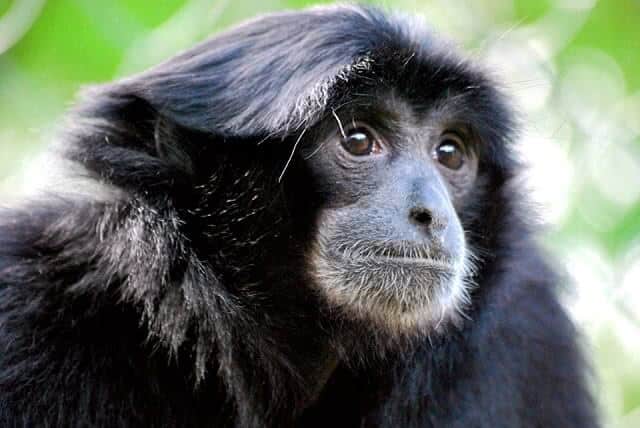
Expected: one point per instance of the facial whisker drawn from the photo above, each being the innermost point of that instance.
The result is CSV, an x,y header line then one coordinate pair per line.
x,y
344,135
291,155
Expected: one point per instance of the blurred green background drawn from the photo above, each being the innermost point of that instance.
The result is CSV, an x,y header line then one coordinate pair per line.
x,y
573,67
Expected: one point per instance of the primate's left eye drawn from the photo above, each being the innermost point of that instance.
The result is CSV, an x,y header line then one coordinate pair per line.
x,y
360,141
450,151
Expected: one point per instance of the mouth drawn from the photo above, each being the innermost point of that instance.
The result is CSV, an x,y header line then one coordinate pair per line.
x,y
399,254
400,284
422,262
405,263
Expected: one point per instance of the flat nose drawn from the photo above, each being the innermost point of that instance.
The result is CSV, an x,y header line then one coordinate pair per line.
x,y
429,220
421,216
428,208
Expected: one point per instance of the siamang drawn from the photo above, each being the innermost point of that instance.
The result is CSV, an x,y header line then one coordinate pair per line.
x,y
312,219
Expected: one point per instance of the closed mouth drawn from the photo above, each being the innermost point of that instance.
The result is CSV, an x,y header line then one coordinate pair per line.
x,y
436,263
399,253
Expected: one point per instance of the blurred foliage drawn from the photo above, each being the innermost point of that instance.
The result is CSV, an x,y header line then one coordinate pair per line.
x,y
572,65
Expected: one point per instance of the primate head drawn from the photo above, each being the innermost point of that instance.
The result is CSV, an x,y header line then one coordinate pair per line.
x,y
389,245
336,163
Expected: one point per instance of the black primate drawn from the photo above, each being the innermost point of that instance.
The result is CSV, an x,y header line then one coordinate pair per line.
x,y
309,220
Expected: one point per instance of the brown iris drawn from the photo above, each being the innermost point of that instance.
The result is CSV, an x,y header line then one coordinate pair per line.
x,y
360,142
450,151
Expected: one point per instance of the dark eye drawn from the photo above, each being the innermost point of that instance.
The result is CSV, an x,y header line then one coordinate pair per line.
x,y
360,141
450,151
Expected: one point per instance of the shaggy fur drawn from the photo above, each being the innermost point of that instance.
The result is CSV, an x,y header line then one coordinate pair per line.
x,y
184,299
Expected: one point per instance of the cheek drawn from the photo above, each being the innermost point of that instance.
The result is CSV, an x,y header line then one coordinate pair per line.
x,y
461,183
343,186
348,225
454,240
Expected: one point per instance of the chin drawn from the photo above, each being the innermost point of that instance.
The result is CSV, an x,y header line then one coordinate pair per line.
x,y
395,294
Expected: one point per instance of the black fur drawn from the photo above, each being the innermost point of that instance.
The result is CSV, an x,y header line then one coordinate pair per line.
x,y
181,299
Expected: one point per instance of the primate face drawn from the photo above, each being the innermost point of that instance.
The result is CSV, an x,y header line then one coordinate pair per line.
x,y
390,248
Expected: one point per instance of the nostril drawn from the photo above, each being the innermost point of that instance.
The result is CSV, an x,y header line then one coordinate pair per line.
x,y
421,216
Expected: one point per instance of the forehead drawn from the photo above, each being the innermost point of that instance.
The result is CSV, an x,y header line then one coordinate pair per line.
x,y
395,107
